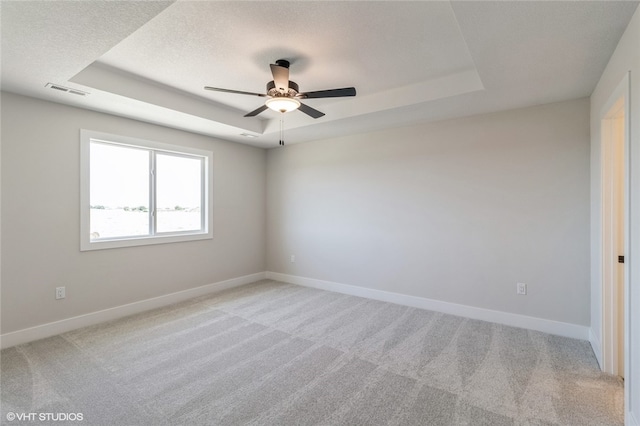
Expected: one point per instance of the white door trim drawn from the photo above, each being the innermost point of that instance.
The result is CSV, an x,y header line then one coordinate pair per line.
x,y
617,103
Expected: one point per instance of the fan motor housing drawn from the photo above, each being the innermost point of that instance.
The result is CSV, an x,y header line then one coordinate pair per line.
x,y
272,91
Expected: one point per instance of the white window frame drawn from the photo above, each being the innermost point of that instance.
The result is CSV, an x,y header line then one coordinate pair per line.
x,y
86,243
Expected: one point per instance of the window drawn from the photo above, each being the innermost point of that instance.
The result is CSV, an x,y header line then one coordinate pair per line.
x,y
136,192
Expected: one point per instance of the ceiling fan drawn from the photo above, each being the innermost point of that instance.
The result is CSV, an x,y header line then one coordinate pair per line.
x,y
283,95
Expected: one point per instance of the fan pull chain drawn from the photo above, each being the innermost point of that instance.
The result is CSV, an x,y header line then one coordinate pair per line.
x,y
282,129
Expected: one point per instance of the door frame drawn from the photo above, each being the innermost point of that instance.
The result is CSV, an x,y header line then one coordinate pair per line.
x,y
617,103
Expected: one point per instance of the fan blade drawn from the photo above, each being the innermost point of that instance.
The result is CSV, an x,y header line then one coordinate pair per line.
x,y
256,111
331,93
239,92
280,77
311,112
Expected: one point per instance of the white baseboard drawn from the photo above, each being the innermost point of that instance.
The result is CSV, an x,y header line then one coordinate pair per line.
x,y
539,324
596,346
53,328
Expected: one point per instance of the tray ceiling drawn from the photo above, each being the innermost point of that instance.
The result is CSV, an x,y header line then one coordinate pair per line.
x,y
409,61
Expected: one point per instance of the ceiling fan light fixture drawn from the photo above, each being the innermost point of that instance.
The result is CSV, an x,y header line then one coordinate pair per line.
x,y
282,104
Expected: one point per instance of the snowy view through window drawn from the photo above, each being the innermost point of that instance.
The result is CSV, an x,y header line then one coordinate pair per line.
x,y
120,190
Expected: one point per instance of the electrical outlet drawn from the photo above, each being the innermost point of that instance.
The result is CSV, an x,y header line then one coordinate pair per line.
x,y
60,293
521,288
293,258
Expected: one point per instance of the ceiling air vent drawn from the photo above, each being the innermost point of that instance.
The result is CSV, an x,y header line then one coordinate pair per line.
x,y
53,86
66,89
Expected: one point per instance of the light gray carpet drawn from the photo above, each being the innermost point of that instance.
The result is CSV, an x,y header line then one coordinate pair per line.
x,y
276,354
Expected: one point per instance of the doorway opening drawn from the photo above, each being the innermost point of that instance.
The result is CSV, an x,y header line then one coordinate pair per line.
x,y
615,177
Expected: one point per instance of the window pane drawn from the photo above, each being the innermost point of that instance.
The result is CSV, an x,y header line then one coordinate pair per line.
x,y
179,193
119,191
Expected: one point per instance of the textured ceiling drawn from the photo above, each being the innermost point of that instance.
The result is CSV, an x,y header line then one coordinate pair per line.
x,y
329,44
409,61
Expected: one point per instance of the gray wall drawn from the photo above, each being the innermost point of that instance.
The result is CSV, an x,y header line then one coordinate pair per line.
x,y
457,211
625,58
40,219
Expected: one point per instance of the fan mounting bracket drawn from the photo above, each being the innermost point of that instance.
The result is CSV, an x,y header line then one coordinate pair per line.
x,y
283,63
